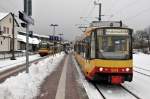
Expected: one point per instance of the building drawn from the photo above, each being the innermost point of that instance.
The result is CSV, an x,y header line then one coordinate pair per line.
x,y
34,41
6,36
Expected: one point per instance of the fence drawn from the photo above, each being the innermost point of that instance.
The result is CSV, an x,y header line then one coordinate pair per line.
x,y
7,55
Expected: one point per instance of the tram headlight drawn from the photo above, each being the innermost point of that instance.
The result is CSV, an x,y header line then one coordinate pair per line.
x,y
123,70
101,69
127,69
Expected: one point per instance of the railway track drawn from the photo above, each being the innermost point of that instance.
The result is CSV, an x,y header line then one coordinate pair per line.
x,y
141,73
142,69
16,69
104,96
136,96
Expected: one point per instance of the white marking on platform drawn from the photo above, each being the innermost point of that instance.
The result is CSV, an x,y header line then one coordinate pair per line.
x,y
89,88
60,94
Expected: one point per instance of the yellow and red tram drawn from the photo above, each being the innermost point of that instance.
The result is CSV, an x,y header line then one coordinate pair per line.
x,y
105,54
45,49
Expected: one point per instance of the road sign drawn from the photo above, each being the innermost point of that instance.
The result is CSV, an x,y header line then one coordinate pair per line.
x,y
26,18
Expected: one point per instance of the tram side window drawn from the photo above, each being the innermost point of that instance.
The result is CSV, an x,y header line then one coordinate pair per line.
x,y
74,47
93,45
87,47
78,49
82,49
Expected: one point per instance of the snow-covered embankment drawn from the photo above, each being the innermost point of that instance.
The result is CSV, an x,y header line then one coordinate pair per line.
x,y
27,86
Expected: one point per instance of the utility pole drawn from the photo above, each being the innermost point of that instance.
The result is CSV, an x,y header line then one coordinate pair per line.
x,y
27,37
148,43
60,40
54,25
99,12
26,17
99,4
148,34
13,38
27,48
28,12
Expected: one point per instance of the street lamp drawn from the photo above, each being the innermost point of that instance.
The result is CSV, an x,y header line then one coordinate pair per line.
x,y
54,25
60,39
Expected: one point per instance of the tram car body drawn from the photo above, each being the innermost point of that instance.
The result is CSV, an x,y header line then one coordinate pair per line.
x,y
105,54
44,49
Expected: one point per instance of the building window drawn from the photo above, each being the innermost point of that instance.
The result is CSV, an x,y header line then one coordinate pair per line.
x,y
8,30
4,29
10,20
1,42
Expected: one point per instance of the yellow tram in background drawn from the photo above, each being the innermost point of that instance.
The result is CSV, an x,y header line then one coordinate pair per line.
x,y
45,49
105,54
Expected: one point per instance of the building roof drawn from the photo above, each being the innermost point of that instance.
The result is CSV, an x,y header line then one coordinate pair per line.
x,y
31,40
3,15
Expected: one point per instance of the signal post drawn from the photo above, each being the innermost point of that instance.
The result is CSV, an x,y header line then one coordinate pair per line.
x,y
26,17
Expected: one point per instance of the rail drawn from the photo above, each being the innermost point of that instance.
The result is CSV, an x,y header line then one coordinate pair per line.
x,y
16,69
6,55
124,88
136,96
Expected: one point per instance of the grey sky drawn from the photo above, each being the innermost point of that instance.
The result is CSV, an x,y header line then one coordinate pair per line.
x,y
67,13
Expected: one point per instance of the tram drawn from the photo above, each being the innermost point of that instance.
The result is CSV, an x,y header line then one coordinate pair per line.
x,y
105,53
45,49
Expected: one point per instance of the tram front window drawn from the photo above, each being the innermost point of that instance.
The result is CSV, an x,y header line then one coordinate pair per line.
x,y
113,47
44,45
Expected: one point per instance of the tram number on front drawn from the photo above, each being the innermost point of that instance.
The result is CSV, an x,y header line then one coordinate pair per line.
x,y
114,70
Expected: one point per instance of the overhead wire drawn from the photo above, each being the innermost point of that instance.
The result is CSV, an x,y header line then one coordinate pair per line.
x,y
84,18
125,7
113,5
87,5
138,14
91,11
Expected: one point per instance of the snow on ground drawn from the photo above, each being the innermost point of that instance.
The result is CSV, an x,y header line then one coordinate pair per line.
x,y
141,63
141,60
26,86
140,83
5,64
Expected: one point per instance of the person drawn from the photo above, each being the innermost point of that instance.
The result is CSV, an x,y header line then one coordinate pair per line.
x,y
66,52
65,49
